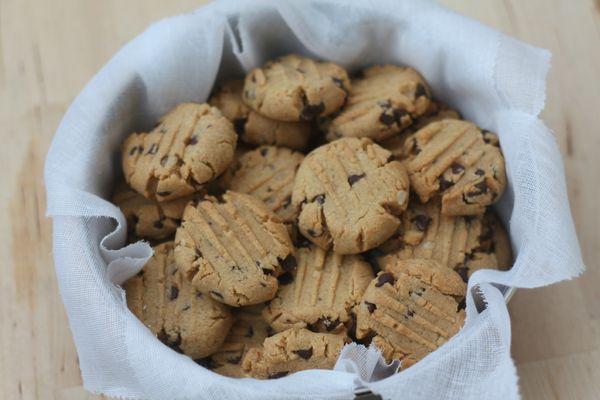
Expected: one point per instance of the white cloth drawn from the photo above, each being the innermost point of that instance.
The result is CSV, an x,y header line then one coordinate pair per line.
x,y
492,79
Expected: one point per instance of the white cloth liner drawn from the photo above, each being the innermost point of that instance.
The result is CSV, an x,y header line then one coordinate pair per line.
x,y
492,79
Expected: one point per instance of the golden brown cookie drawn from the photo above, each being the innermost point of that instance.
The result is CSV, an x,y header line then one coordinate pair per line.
x,y
181,317
321,293
350,195
385,100
296,88
408,317
190,146
249,330
148,218
436,112
254,128
234,249
268,174
291,351
428,234
451,158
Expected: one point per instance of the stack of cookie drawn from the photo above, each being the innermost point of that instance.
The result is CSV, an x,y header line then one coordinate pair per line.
x,y
349,210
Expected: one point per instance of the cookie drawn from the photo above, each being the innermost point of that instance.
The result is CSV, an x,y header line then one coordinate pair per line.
x,y
408,315
190,146
428,234
254,128
234,249
296,88
450,158
436,112
321,293
268,174
385,100
181,317
494,249
248,331
350,194
148,218
291,351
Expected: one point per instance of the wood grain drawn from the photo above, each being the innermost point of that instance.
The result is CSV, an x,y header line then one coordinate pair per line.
x,y
49,50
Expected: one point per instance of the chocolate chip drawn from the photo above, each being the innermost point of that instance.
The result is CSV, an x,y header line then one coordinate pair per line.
x,y
278,374
352,179
159,224
444,183
289,263
186,307
464,273
387,119
193,140
371,307
320,198
173,293
267,271
164,160
331,325
163,194
410,313
264,151
217,294
421,222
285,278
456,168
309,112
384,278
421,91
133,150
153,149
461,305
312,233
414,149
479,172
250,332
399,114
338,82
481,189
304,353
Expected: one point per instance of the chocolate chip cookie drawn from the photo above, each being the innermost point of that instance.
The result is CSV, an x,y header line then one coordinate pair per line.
x,y
190,146
383,101
291,351
248,331
350,194
408,314
233,249
435,112
181,317
494,249
148,218
321,293
428,234
268,174
254,128
451,158
296,88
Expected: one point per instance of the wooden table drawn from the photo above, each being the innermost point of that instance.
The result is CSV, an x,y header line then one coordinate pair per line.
x,y
50,49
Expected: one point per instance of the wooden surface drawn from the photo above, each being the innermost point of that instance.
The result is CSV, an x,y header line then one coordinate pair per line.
x,y
50,49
